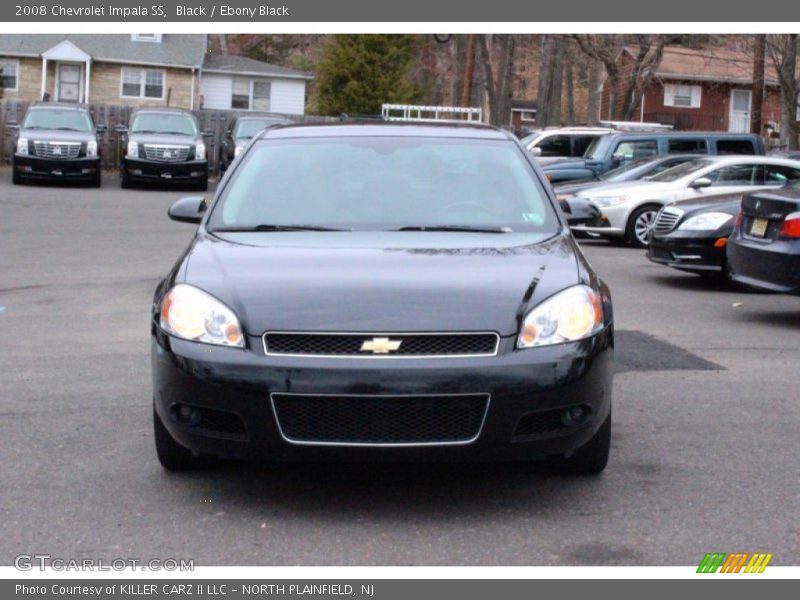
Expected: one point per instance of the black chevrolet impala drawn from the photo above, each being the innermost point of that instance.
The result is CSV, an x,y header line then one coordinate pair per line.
x,y
382,291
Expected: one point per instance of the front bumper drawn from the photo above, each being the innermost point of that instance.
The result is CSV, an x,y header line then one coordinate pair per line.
x,y
518,383
34,167
771,266
148,170
611,223
689,251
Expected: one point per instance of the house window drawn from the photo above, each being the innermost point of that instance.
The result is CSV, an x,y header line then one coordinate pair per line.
x,y
249,94
528,115
9,74
682,96
142,83
146,37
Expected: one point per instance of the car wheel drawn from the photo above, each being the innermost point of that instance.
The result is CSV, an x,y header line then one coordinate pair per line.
x,y
171,455
16,178
97,180
639,225
202,184
124,180
589,459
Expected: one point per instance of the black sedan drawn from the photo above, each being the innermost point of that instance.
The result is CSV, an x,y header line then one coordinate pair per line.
x,y
691,235
239,133
764,250
382,291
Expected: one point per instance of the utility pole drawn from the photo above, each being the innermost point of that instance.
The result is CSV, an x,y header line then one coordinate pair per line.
x,y
469,70
759,52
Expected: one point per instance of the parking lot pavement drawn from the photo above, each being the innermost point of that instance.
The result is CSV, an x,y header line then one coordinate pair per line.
x,y
704,454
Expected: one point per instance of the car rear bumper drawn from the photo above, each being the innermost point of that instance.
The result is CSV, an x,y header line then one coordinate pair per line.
x,y
771,266
526,394
146,170
694,252
34,167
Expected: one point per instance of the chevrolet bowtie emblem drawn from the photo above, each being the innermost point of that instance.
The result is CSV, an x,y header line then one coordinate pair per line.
x,y
380,345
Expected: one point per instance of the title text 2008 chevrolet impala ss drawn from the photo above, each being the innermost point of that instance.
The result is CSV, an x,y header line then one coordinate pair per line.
x,y
382,291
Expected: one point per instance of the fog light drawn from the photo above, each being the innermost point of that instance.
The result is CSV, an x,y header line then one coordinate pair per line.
x,y
135,171
26,169
576,415
183,413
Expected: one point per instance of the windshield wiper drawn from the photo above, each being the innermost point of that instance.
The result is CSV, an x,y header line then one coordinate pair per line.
x,y
174,133
67,129
273,227
467,228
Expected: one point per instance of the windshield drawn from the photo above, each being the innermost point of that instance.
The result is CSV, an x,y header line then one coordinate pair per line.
x,y
63,120
682,170
247,128
174,124
371,183
597,147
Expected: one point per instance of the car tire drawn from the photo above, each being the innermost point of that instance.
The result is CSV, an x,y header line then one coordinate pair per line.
x,y
171,455
639,225
589,459
124,180
202,184
16,178
97,180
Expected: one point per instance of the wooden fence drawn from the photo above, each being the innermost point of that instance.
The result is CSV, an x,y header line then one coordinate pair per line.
x,y
111,115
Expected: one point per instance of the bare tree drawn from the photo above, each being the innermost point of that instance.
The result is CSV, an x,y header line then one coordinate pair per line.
x,y
498,81
551,72
759,55
782,50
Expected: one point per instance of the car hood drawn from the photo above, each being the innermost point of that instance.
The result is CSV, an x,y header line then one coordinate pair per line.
x,y
574,187
629,188
55,135
159,138
378,281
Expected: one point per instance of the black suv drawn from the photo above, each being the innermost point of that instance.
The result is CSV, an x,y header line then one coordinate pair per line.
x,y
57,142
163,145
239,133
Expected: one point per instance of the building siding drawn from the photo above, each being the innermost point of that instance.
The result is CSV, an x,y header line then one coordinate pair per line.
x,y
287,96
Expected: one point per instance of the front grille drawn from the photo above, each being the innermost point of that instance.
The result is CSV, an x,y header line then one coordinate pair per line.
x,y
540,423
381,345
666,219
380,420
57,150
166,153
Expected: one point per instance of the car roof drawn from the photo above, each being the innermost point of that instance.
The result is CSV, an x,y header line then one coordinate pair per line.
x,y
157,109
682,134
59,106
387,129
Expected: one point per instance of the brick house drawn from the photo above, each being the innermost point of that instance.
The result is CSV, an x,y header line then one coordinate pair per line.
x,y
143,70
703,89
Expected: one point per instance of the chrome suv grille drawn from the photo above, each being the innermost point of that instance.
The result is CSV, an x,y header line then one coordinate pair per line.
x,y
165,153
350,420
57,150
666,219
381,345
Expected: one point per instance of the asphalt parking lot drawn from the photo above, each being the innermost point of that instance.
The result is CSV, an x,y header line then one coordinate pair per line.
x,y
704,451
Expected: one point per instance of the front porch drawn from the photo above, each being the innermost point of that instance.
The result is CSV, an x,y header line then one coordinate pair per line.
x,y
66,74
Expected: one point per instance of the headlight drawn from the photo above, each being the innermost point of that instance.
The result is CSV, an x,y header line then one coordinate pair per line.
x,y
133,150
706,222
22,146
573,314
606,201
91,148
238,150
200,152
191,314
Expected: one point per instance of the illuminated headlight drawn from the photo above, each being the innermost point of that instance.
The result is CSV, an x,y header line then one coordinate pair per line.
x,y
606,201
573,314
133,150
91,148
706,222
238,150
191,314
200,152
22,146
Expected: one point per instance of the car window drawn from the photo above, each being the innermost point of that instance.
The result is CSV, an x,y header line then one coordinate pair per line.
x,y
247,128
628,151
734,146
377,182
780,175
580,143
735,175
684,146
682,170
53,118
555,145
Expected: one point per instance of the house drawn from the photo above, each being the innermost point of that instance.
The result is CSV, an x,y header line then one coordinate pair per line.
x,y
523,114
143,69
702,89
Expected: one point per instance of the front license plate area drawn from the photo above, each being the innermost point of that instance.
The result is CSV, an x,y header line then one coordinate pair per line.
x,y
759,227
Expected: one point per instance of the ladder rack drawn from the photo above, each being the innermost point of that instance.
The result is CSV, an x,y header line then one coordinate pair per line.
x,y
414,112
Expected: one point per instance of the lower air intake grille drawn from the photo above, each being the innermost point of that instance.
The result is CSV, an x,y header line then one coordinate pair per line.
x,y
540,423
425,345
376,420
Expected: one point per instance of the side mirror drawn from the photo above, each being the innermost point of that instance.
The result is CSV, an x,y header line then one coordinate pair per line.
x,y
12,125
700,182
536,151
188,210
101,128
121,129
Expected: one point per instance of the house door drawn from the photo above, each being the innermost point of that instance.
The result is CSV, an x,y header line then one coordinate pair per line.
x,y
68,82
739,118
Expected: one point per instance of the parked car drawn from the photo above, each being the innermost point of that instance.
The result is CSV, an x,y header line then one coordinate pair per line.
x,y
629,209
163,145
617,149
764,249
382,291
638,169
579,211
562,141
239,133
56,142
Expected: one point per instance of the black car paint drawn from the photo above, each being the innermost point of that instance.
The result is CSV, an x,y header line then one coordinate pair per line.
x,y
379,282
772,262
31,167
227,148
